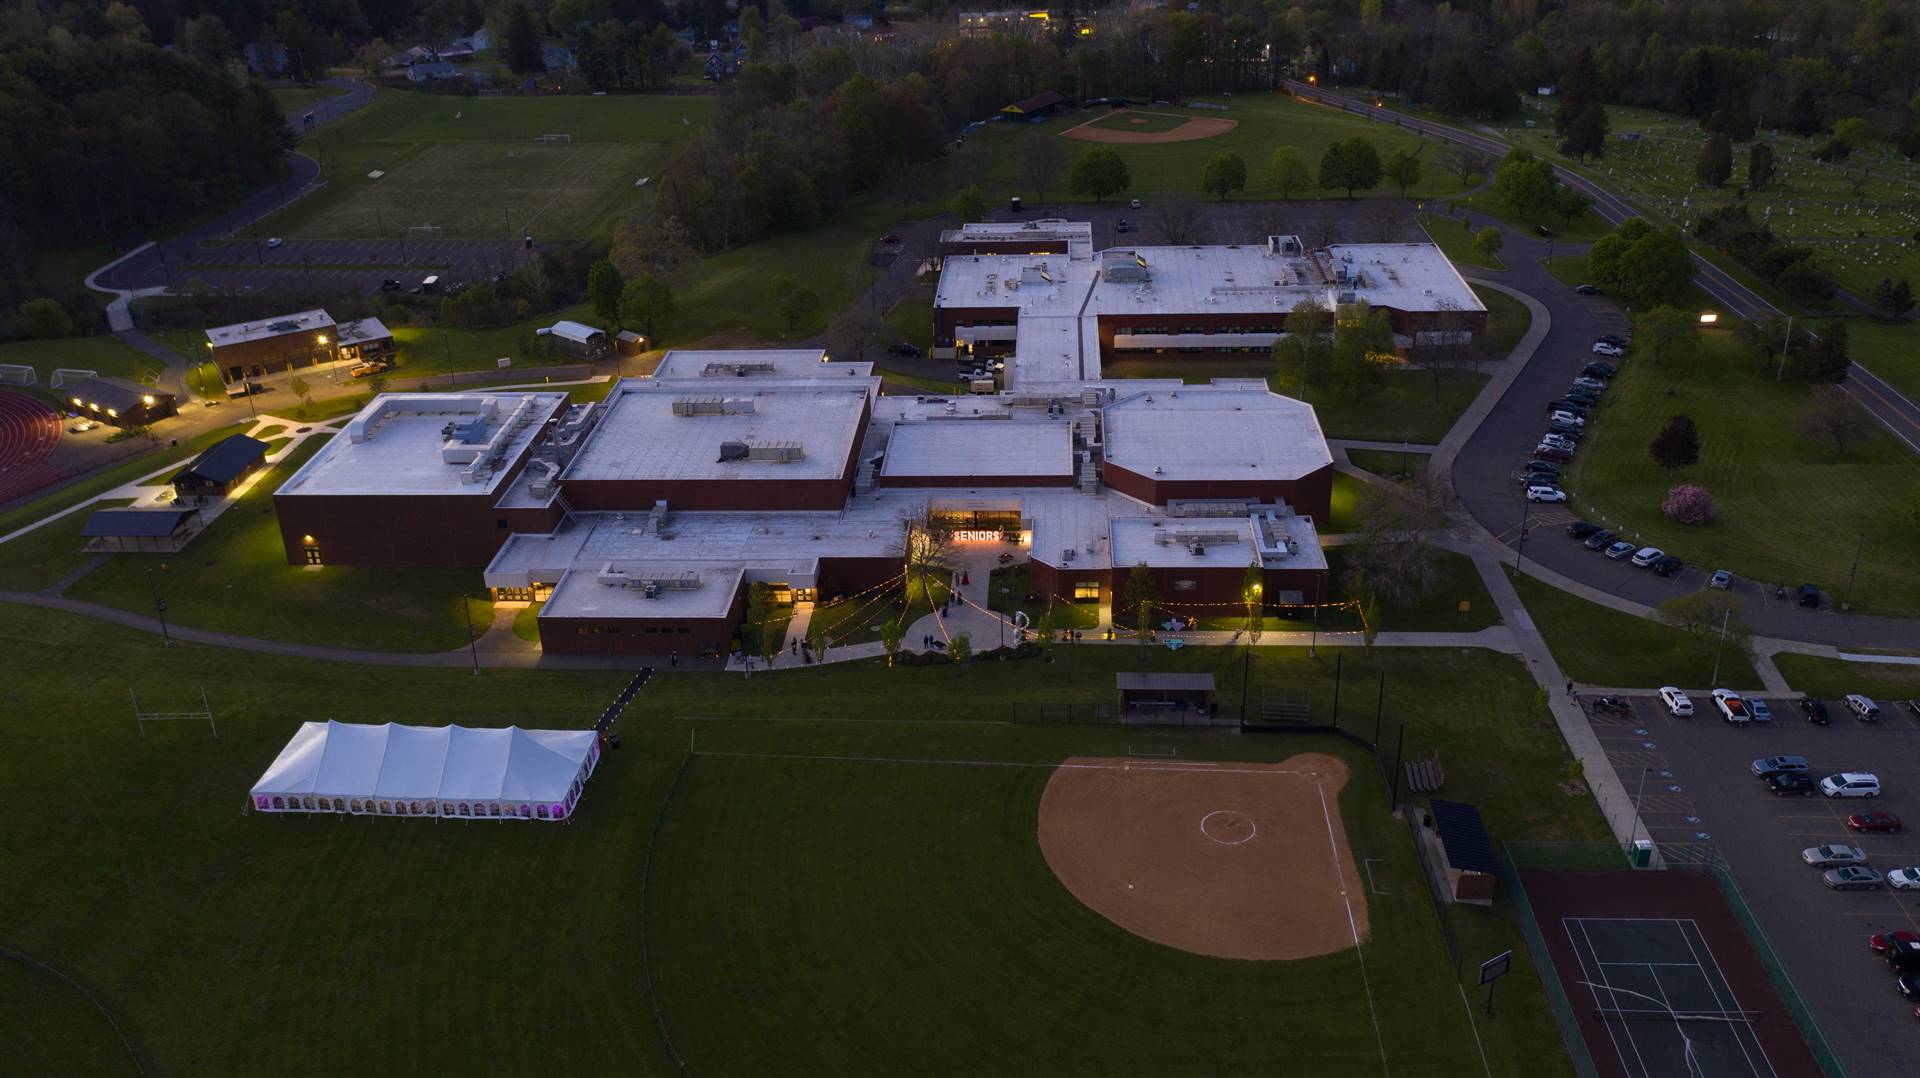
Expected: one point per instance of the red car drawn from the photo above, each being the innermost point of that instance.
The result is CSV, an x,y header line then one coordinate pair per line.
x,y
891,239
1874,821
1879,942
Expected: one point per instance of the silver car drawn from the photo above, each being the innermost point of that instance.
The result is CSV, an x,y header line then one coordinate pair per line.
x,y
1852,878
1833,856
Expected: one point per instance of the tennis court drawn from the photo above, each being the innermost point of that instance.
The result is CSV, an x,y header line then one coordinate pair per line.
x,y
1666,1004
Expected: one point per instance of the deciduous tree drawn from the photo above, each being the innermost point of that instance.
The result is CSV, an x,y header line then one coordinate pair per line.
x,y
1402,170
1702,615
1352,164
1288,171
1041,160
1224,174
1138,598
1830,413
1100,172
647,302
43,319
603,289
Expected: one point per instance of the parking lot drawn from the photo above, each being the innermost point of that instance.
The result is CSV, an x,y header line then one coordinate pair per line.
x,y
1690,781
332,266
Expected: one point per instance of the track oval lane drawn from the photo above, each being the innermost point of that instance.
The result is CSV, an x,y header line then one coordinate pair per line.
x,y
29,432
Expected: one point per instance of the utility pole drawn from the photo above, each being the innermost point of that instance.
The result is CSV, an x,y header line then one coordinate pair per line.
x,y
1520,552
1847,602
1313,641
160,608
447,346
1784,342
1722,649
473,645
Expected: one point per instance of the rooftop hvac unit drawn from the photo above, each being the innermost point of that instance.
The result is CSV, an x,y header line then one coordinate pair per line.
x,y
612,577
733,451
775,452
712,406
1066,555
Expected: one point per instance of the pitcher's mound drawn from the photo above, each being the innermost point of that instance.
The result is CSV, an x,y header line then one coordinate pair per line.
x,y
1230,860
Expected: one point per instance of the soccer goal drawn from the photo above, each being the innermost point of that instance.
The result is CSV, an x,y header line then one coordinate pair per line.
x,y
17,374
423,232
61,376
563,138
488,95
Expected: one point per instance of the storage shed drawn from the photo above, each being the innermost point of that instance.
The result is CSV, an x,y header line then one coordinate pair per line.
x,y
162,531
218,470
1161,692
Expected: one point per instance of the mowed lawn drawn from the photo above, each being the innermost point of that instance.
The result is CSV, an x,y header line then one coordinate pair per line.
x,y
235,578
474,167
104,354
1787,509
1598,645
1264,121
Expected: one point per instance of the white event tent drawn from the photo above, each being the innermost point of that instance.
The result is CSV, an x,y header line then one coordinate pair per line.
x,y
455,771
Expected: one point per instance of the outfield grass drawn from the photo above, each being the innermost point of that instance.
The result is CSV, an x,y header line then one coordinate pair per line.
x,y
104,354
429,146
1597,645
49,1026
235,578
1766,480
1264,121
1457,243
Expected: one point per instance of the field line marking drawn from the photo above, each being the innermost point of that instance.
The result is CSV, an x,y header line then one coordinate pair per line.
x,y
794,718
1741,1035
1060,766
1366,865
1333,850
1475,1026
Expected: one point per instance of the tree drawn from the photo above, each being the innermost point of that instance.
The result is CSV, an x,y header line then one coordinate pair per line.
x,y
43,319
647,302
1587,137
603,289
1141,594
1304,353
1702,615
1759,166
1362,349
1487,243
1830,413
769,633
855,333
1641,263
793,300
1224,174
1665,332
1288,171
1178,223
1823,359
891,630
1688,504
1576,91
1046,629
1253,586
961,648
521,41
1893,297
1525,183
1677,445
652,243
1851,132
1391,560
1402,170
1464,161
1041,160
1100,172
1352,164
925,552
1715,164
970,204
298,387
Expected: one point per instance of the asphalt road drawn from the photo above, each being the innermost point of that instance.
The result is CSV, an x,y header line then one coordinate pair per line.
x,y
1697,783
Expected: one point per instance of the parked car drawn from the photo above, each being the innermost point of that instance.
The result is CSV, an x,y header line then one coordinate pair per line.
x,y
1678,703
1879,942
82,427
1852,878
1552,452
1851,784
273,241
1558,441
1603,348
1580,529
1814,709
1833,855
1790,782
1905,879
1599,369
371,367
1571,433
1721,580
1537,476
1123,225
1909,986
890,239
1732,708
1810,596
1587,290
1613,339
1912,706
1543,232
1136,203
1668,565
1904,956
1568,418
1760,711
1537,465
1544,493
1874,821
391,284
903,348
1619,550
1599,539
1863,709
1584,382
1647,555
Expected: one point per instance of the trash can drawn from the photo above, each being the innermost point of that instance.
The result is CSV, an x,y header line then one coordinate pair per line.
x,y
1642,853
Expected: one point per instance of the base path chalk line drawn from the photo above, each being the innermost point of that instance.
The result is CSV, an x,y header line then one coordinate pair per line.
x,y
1233,817
1333,849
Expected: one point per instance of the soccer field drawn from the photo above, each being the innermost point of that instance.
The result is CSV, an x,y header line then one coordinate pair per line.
x,y
484,168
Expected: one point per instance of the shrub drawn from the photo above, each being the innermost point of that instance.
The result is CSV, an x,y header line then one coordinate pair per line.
x,y
1689,504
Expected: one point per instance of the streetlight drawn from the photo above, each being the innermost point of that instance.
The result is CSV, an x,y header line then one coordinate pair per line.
x,y
1638,794
472,646
1520,551
160,608
1847,602
1708,318
1722,649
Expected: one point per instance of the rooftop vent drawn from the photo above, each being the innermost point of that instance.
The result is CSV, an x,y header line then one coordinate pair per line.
x,y
712,406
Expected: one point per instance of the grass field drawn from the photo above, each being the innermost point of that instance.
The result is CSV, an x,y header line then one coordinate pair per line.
x,y
294,98
117,475
473,166
1409,467
910,902
1833,679
235,578
1764,479
1264,121
1597,645
40,558
1456,242
104,354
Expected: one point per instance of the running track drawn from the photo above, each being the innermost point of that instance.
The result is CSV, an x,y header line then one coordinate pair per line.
x,y
28,432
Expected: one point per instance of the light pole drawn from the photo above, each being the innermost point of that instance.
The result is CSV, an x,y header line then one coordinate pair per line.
x,y
1638,794
160,608
473,645
1847,602
1520,551
1313,641
1785,341
1722,649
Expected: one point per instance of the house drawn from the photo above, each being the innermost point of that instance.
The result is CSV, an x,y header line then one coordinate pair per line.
x,y
435,70
118,402
1467,857
216,472
577,339
454,54
162,531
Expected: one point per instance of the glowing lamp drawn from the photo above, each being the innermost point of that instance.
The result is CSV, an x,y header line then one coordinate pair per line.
x,y
1708,318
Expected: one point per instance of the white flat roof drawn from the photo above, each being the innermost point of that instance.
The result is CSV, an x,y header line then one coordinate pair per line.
x,y
996,281
1214,542
959,448
400,444
1215,432
1055,348
577,332
314,321
643,434
361,330
717,363
617,590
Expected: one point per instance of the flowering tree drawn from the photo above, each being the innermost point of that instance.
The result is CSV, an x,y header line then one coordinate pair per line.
x,y
1689,504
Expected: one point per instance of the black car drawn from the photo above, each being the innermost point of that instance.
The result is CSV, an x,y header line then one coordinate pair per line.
x,y
903,348
1903,955
1538,465
1586,290
1613,339
1909,985
1580,529
391,284
1809,596
1815,710
1667,565
1600,540
1543,232
1602,371
1583,397
1790,782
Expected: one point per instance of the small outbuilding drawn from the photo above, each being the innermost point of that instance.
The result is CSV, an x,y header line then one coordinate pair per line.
x,y
1467,853
577,339
1145,693
150,531
628,343
118,402
1041,104
217,471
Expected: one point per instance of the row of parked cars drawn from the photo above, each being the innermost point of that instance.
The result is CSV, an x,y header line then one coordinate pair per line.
x,y
1737,709
1567,424
1606,542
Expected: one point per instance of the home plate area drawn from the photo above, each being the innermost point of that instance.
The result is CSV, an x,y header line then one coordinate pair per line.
x,y
1242,861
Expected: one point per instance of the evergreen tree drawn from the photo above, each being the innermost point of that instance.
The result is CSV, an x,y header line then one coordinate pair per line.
x,y
522,41
1894,297
1759,166
1677,445
1715,165
1576,91
1586,136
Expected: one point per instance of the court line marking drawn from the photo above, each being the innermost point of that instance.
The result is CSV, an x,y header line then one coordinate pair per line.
x,y
1333,850
1717,972
1566,925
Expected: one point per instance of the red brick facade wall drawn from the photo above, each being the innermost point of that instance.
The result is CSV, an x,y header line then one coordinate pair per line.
x,y
1214,591
1310,495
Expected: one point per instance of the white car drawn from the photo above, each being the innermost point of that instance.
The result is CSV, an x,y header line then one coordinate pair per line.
x,y
1863,709
1904,879
272,243
1833,856
1647,555
1678,703
1732,708
1558,441
1568,418
1546,494
1851,784
1604,348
